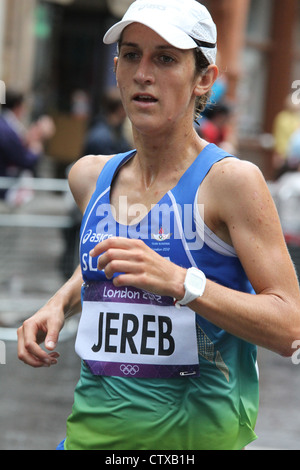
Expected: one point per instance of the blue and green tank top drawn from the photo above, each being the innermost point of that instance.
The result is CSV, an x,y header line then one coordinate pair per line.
x,y
155,377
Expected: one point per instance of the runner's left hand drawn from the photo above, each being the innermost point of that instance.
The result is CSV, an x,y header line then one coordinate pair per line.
x,y
130,262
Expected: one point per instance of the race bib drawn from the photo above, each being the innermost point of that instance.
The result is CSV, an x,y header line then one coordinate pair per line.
x,y
129,332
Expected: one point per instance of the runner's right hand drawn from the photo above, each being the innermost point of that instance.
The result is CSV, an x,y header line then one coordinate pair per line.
x,y
44,325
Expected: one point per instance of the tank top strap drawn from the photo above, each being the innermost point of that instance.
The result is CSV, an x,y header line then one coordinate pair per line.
x,y
111,167
190,181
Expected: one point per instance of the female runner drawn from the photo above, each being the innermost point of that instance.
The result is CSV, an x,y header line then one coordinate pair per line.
x,y
175,223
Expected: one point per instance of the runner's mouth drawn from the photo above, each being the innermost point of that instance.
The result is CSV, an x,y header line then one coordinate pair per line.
x,y
145,98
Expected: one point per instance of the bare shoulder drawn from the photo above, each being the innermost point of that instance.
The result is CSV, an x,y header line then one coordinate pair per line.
x,y
241,202
233,180
83,177
235,172
235,192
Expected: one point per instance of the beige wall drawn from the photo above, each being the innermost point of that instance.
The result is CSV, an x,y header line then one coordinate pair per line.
x,y
18,44
231,18
2,18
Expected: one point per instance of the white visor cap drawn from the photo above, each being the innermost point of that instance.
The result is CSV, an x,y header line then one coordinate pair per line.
x,y
185,24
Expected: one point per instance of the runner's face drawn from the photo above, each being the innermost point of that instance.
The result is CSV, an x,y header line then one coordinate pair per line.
x,y
157,81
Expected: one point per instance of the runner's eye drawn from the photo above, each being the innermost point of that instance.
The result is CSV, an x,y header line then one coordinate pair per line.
x,y
166,59
131,56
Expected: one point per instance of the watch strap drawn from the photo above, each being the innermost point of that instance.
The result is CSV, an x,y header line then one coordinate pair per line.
x,y
189,296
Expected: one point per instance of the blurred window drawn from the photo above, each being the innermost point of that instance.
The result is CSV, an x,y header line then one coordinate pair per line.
x,y
253,84
296,63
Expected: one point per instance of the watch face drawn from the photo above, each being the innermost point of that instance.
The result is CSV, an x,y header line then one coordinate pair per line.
x,y
195,280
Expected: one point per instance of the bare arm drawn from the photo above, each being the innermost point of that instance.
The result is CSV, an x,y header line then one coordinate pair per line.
x,y
49,320
272,317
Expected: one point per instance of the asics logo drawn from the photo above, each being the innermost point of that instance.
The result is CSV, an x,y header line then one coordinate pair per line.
x,y
151,6
87,236
95,237
129,369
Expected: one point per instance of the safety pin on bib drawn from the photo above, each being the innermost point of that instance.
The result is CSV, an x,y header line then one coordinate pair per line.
x,y
187,373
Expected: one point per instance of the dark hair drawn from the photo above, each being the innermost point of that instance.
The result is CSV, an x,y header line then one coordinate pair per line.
x,y
201,68
13,99
215,110
111,104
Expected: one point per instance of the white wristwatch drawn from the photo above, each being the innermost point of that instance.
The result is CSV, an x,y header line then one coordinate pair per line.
x,y
194,285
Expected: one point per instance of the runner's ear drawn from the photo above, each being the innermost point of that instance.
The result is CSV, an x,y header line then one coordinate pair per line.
x,y
206,80
115,64
115,68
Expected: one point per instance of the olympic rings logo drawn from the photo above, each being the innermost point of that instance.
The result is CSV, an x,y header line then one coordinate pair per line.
x,y
129,369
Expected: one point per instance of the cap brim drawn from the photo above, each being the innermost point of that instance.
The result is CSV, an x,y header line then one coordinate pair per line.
x,y
171,34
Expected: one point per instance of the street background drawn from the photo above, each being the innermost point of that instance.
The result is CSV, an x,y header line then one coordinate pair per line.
x,y
52,51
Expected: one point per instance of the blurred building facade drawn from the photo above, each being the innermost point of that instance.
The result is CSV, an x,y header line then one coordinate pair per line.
x,y
51,49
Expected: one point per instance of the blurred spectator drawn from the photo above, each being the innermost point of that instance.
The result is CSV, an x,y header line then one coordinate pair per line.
x,y
80,104
107,135
293,151
20,149
286,122
218,91
215,125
